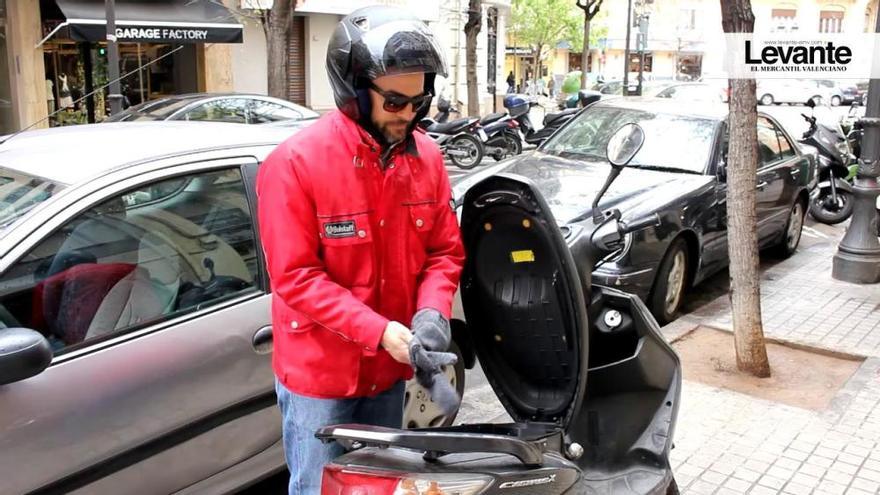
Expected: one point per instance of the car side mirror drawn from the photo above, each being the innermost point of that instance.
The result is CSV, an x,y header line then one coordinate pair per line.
x,y
23,353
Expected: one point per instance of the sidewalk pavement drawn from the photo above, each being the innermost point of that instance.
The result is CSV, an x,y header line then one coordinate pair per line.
x,y
731,443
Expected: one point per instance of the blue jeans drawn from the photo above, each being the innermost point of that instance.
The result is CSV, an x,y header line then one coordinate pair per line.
x,y
302,416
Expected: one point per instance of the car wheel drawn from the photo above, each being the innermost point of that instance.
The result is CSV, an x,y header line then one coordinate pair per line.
x,y
767,100
419,410
670,283
835,101
791,236
817,100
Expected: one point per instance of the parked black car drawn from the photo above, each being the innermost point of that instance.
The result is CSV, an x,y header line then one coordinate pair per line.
x,y
679,174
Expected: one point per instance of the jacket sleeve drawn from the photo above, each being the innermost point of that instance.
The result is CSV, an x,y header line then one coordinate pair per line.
x,y
289,236
442,269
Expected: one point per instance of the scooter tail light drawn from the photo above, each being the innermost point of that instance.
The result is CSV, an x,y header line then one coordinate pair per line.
x,y
338,480
512,124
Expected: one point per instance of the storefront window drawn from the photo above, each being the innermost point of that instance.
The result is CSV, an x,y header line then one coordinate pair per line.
x,y
148,71
6,120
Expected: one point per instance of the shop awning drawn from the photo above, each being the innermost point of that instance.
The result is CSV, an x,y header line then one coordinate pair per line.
x,y
151,21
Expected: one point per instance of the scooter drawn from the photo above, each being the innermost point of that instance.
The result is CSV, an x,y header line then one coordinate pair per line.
x,y
444,108
502,137
457,140
831,202
519,109
592,386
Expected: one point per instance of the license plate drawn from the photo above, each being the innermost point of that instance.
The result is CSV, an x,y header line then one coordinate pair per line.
x,y
483,135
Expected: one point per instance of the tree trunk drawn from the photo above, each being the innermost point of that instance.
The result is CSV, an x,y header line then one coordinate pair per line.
x,y
585,55
277,35
742,234
471,29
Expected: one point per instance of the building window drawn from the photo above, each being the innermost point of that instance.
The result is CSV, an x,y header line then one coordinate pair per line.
x,y
783,20
830,21
687,19
634,62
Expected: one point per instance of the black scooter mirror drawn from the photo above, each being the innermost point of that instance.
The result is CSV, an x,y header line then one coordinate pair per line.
x,y
620,150
624,144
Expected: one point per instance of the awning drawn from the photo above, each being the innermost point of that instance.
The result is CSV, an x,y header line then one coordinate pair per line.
x,y
151,21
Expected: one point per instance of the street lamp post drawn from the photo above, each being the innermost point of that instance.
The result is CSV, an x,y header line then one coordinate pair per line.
x,y
858,255
114,95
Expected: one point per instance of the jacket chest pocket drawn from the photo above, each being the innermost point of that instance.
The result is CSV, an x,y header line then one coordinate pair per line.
x,y
420,216
347,249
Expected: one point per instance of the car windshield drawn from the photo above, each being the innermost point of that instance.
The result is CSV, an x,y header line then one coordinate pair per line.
x,y
20,192
588,135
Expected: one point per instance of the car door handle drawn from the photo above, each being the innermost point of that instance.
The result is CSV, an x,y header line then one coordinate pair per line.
x,y
263,340
762,185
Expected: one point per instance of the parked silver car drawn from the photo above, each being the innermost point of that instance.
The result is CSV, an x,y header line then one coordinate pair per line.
x,y
135,331
238,108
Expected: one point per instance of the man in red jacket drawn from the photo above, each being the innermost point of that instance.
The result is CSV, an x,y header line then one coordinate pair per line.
x,y
362,246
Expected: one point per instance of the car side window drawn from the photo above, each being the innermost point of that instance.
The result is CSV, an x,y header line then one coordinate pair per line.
x,y
160,250
786,149
768,143
234,110
265,111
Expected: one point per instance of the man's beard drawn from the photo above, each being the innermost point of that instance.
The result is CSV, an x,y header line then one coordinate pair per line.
x,y
395,131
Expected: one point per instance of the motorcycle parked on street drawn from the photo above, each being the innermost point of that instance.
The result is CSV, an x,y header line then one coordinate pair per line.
x,y
831,202
592,386
519,108
502,137
457,140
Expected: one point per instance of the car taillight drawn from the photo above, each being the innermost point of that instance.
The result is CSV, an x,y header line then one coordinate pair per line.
x,y
338,480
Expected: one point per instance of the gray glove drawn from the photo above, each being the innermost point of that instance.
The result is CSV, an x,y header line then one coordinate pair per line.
x,y
429,374
432,329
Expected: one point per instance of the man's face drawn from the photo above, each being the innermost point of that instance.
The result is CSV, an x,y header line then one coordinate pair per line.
x,y
393,125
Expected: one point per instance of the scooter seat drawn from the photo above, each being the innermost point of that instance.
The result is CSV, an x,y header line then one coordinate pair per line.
x,y
552,117
492,117
449,127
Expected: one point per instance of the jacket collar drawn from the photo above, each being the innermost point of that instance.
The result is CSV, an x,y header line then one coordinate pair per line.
x,y
368,147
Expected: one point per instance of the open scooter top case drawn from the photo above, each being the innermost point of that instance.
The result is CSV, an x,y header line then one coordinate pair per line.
x,y
526,302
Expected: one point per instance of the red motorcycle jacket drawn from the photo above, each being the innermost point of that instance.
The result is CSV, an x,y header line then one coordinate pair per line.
x,y
350,247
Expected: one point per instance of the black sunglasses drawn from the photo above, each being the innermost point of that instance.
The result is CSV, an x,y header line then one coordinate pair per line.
x,y
396,102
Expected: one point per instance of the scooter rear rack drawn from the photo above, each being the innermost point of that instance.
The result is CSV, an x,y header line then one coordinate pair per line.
x,y
434,444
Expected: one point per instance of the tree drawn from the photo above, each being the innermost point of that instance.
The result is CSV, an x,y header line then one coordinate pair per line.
x,y
277,24
742,234
471,30
590,8
542,23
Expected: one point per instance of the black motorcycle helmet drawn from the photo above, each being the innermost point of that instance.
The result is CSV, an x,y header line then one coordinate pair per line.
x,y
376,41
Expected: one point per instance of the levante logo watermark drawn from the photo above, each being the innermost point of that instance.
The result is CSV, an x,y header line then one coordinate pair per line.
x,y
786,55
799,56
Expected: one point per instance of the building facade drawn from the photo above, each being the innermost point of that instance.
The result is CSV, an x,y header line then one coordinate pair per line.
x,y
53,54
315,20
684,36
